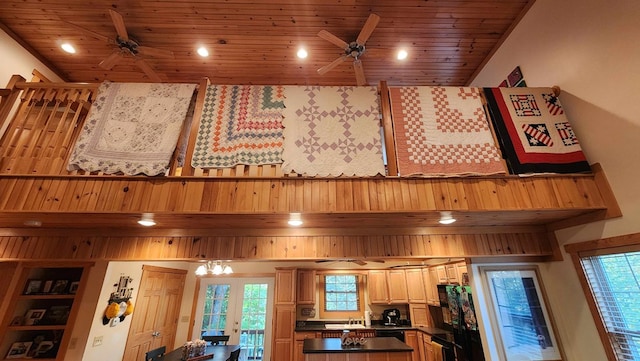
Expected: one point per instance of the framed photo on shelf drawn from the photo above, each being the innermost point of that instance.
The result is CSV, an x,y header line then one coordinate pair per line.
x,y
19,349
59,286
57,315
34,316
73,287
17,321
33,287
46,286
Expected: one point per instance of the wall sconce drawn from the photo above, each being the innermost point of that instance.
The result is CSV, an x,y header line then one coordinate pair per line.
x,y
214,268
295,220
147,220
446,218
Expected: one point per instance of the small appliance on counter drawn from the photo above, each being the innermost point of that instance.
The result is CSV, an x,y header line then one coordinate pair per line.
x,y
391,317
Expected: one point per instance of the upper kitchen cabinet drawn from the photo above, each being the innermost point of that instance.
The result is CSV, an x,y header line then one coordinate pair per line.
x,y
386,287
285,289
306,287
415,285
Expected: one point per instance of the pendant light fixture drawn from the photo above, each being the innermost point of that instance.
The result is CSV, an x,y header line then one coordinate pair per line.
x,y
215,268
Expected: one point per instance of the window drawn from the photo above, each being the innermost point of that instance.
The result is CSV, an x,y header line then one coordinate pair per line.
x,y
216,304
341,295
613,280
519,315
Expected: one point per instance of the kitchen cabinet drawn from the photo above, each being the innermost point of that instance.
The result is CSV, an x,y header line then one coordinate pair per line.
x,y
461,270
452,274
285,290
415,286
428,349
299,340
306,287
44,305
411,339
432,287
421,350
419,314
387,287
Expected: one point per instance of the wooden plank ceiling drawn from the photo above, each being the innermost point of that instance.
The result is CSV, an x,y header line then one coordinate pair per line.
x,y
256,42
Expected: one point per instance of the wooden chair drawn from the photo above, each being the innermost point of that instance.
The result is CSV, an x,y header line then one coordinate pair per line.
x,y
235,355
155,354
331,334
216,340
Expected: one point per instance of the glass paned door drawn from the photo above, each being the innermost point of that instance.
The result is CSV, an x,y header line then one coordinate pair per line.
x,y
240,308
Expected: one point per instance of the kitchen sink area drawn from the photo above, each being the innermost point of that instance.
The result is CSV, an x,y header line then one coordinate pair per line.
x,y
342,326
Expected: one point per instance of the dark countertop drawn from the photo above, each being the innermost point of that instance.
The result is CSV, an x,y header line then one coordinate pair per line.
x,y
220,353
373,344
442,335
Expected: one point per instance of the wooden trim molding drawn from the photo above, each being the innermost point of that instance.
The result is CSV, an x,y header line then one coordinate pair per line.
x,y
283,248
605,243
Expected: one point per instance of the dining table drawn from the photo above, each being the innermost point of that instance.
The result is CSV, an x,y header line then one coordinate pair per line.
x,y
220,353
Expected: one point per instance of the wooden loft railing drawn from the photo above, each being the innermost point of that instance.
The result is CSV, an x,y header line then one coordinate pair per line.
x,y
39,137
37,143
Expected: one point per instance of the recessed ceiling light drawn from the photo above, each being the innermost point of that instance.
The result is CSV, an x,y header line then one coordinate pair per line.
x,y
147,220
402,54
295,220
302,53
446,218
33,223
203,52
68,48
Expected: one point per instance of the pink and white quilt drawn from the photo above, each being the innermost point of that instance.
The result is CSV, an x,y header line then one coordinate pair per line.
x,y
442,131
332,131
132,128
240,125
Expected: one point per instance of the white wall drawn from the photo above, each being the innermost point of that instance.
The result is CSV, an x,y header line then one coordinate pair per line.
x,y
114,339
16,60
590,49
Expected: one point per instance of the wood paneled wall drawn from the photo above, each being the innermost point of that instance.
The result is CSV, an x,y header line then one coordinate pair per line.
x,y
284,248
122,194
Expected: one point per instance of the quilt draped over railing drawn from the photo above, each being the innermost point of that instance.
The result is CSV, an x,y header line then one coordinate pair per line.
x,y
534,132
240,125
332,131
442,131
132,128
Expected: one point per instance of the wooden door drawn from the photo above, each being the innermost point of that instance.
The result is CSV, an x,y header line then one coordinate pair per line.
x,y
155,318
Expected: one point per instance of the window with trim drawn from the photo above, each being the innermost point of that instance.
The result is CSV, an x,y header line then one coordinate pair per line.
x,y
341,295
519,314
615,286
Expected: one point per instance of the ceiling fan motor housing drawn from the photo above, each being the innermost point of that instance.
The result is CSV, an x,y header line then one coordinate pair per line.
x,y
129,45
354,50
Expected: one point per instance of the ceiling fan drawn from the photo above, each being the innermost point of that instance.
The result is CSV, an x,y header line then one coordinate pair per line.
x,y
359,262
127,46
354,49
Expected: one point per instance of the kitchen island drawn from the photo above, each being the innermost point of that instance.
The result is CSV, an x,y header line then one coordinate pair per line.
x,y
375,349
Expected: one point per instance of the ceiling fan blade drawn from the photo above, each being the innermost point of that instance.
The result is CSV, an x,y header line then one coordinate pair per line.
x,y
359,262
111,60
92,33
118,22
360,78
158,53
367,29
146,68
333,39
332,65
